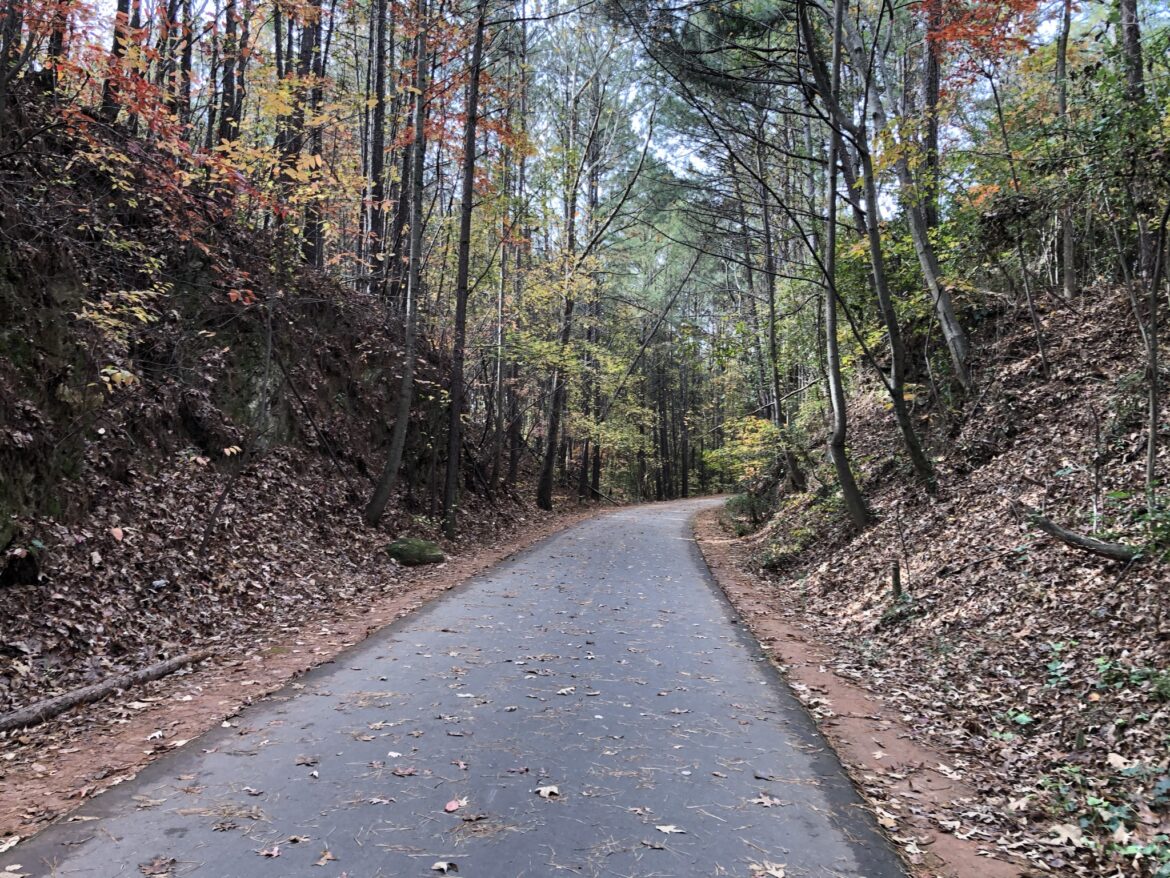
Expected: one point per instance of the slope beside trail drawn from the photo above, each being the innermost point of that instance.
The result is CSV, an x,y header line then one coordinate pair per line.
x,y
592,706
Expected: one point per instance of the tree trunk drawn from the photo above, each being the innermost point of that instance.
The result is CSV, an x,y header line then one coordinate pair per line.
x,y
185,64
1131,50
377,229
664,437
931,86
1068,253
770,289
753,311
838,452
462,280
544,487
110,104
228,122
952,331
313,236
684,450
51,707
389,476
895,380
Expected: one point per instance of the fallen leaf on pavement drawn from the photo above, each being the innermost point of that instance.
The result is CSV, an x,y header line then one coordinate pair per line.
x,y
766,800
159,866
326,857
767,870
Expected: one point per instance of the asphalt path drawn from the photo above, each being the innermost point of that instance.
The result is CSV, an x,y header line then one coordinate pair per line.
x,y
591,707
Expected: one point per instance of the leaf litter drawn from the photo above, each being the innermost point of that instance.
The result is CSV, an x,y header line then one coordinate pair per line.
x,y
1040,672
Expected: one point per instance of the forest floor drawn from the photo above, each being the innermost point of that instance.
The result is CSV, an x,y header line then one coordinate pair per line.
x,y
331,588
1039,673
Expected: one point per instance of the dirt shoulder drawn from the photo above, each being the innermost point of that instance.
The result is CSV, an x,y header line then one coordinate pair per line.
x,y
918,798
1042,672
48,771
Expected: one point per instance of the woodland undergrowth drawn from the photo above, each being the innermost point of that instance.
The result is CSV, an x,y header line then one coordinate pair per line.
x,y
180,465
1041,669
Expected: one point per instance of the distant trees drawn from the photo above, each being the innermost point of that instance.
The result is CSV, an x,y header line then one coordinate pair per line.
x,y
621,230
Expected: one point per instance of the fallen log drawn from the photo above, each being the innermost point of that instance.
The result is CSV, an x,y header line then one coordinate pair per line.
x,y
41,711
1113,551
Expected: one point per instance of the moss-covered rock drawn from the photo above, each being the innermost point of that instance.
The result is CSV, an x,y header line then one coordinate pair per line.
x,y
412,552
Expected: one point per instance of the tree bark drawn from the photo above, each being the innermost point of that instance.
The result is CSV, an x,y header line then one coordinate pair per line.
x,y
313,234
1113,551
544,486
952,331
770,288
110,103
931,87
462,276
228,122
895,380
389,477
377,214
45,710
1131,50
838,452
1068,253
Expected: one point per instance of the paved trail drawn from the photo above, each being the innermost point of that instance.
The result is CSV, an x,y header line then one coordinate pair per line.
x,y
602,662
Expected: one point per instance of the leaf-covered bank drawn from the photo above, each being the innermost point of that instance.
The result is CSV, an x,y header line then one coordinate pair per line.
x,y
1041,671
181,465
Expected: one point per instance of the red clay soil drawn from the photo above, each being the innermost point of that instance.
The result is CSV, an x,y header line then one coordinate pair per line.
x,y
49,770
910,787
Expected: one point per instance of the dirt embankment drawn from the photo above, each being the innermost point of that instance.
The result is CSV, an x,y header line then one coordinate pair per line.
x,y
1039,673
913,791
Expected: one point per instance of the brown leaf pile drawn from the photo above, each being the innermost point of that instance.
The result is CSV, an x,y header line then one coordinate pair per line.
x,y
1043,671
130,585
